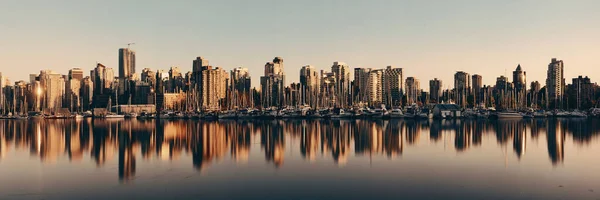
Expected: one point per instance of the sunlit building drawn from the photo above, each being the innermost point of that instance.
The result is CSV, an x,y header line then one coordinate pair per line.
x,y
413,90
555,83
273,84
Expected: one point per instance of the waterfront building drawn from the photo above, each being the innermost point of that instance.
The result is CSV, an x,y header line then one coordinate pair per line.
x,y
361,85
342,87
375,87
53,85
462,83
328,95
581,93
435,91
555,84
240,87
273,84
520,86
477,84
126,63
214,88
413,90
393,87
310,86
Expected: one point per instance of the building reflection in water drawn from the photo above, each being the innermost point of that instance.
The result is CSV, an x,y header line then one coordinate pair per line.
x,y
209,141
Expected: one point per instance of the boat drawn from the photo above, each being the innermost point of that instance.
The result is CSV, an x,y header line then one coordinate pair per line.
x,y
425,114
396,113
131,115
540,114
114,116
228,114
509,115
340,113
578,114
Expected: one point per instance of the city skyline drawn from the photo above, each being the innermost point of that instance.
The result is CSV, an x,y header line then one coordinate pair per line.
x,y
445,37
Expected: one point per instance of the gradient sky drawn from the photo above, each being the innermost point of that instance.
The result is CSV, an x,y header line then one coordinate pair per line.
x,y
429,39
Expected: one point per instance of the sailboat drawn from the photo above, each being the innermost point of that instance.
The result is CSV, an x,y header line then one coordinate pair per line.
x,y
111,115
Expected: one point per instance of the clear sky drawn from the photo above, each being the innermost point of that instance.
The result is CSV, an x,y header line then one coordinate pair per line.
x,y
429,39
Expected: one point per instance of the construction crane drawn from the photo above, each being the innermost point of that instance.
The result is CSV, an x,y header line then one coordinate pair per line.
x,y
129,44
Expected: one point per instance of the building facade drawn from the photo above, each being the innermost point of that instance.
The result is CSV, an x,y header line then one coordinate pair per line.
x,y
435,91
555,84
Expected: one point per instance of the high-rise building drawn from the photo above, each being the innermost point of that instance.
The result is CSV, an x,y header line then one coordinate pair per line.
x,y
413,90
214,88
148,76
176,80
273,84
126,63
582,92
310,84
555,84
198,66
361,85
477,84
435,91
86,92
534,94
103,85
375,87
520,86
2,91
328,95
53,85
240,84
462,84
76,73
393,86
342,88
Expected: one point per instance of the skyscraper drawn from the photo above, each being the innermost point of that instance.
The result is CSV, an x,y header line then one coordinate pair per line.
x,y
1,91
393,86
361,85
555,83
214,88
240,84
103,85
435,90
342,76
329,85
198,66
309,83
76,73
375,87
413,90
520,86
273,84
533,94
477,84
462,83
53,85
126,63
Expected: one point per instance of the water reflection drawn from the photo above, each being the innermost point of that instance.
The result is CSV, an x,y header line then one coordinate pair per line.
x,y
338,140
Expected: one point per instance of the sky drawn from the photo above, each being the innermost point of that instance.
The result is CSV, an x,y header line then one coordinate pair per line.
x,y
427,38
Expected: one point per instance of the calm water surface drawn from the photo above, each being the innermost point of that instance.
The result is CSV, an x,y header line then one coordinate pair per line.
x,y
298,159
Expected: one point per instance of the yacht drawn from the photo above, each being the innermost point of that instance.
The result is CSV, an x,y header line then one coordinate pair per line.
x,y
396,113
114,116
578,114
230,114
509,115
340,113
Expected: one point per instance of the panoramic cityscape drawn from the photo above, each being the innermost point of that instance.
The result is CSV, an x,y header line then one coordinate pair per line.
x,y
209,92
314,99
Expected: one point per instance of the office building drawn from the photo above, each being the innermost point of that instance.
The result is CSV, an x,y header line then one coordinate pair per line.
x,y
555,84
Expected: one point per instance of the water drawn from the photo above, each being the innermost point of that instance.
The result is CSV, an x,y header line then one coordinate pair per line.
x,y
298,159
